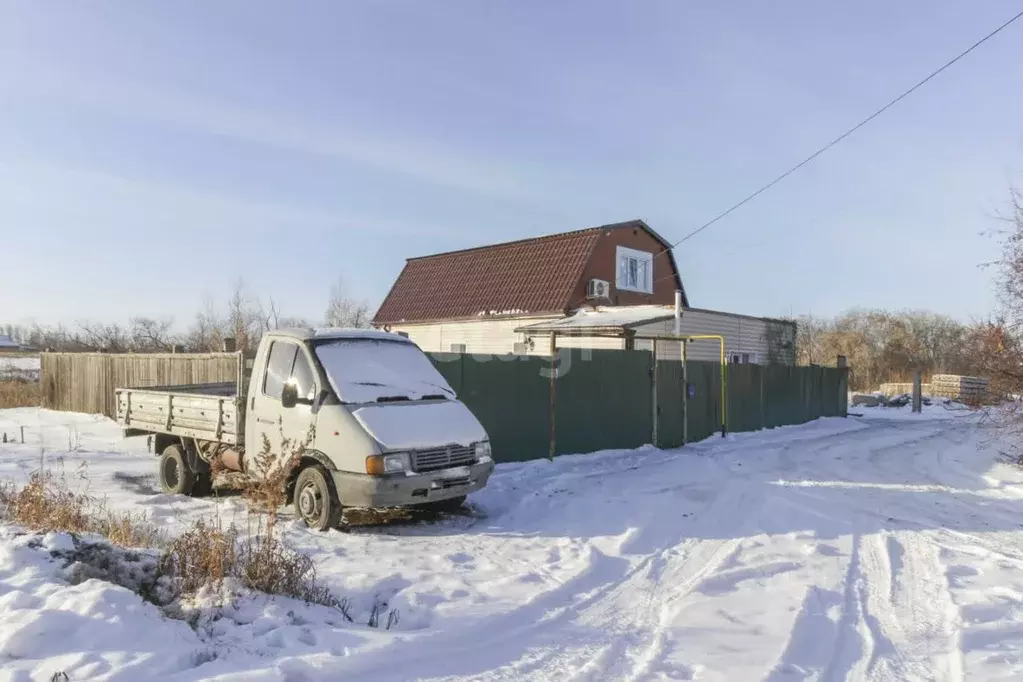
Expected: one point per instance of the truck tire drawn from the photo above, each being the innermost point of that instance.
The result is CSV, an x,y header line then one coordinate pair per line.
x,y
175,476
316,501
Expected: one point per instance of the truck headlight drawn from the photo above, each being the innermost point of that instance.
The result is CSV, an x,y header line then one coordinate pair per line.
x,y
483,452
394,463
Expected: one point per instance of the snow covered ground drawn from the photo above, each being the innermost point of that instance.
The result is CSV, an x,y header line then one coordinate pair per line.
x,y
19,367
887,547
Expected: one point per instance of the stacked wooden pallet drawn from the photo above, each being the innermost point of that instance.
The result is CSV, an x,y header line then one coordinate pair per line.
x,y
961,388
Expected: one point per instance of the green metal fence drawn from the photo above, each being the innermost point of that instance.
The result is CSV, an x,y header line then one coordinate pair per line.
x,y
618,399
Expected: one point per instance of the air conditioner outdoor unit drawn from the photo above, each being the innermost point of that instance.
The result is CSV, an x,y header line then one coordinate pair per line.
x,y
598,288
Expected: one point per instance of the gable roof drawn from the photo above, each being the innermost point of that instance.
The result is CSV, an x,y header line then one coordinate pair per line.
x,y
528,276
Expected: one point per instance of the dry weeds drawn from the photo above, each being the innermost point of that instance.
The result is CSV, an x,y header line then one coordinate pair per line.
x,y
20,394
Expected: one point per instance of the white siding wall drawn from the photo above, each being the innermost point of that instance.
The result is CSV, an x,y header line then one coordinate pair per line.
x,y
742,335
479,336
598,342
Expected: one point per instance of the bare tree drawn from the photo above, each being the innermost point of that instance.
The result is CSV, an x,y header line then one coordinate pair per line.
x,y
343,311
150,335
245,318
109,338
206,333
997,345
810,339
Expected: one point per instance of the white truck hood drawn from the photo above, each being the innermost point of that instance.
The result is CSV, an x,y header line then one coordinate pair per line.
x,y
416,426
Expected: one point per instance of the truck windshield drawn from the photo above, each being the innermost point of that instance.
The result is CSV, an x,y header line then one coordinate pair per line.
x,y
370,370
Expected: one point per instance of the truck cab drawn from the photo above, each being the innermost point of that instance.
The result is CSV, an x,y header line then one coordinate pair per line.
x,y
366,417
384,426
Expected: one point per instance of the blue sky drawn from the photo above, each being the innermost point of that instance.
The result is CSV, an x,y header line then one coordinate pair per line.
x,y
151,153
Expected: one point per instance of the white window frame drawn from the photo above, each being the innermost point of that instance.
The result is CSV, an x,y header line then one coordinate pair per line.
x,y
644,265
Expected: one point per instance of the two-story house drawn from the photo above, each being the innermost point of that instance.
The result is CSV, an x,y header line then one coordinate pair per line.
x,y
480,300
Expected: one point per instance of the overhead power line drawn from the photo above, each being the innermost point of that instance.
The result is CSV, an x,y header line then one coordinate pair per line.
x,y
841,137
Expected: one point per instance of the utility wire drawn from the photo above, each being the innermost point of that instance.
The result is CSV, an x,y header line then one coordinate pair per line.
x,y
838,139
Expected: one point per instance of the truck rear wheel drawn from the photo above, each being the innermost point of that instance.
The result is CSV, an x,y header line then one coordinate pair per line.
x,y
316,501
175,476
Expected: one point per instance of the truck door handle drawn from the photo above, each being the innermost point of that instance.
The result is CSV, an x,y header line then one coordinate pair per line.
x,y
252,403
264,421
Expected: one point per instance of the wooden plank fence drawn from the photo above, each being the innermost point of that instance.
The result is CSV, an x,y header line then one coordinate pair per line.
x,y
85,382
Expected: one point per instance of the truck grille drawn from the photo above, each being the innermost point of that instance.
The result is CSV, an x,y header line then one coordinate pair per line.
x,y
436,459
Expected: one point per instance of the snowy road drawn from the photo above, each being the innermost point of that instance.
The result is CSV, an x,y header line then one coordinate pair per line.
x,y
883,548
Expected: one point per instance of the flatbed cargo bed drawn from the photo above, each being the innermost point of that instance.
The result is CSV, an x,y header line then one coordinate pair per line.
x,y
212,412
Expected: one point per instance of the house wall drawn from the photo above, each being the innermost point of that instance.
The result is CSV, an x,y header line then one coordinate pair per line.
x,y
496,336
603,264
766,341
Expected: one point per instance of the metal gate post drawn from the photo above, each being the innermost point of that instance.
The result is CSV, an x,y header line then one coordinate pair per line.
x,y
685,395
553,392
653,393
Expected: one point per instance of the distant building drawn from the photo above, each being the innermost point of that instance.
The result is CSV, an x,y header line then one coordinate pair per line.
x,y
9,345
500,298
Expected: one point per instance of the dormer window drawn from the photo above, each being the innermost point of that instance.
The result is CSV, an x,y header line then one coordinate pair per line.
x,y
635,270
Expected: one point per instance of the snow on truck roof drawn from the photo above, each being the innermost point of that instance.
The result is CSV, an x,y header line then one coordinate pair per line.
x,y
308,333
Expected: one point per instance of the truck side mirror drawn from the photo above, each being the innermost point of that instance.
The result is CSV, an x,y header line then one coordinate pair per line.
x,y
289,395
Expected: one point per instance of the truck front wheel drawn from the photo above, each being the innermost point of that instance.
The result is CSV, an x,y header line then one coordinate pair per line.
x,y
316,501
175,476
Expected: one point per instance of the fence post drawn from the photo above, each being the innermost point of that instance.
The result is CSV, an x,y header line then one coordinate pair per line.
x,y
685,396
843,384
917,392
553,393
653,393
763,409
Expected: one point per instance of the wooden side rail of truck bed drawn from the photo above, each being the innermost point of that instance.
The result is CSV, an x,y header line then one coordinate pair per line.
x,y
206,411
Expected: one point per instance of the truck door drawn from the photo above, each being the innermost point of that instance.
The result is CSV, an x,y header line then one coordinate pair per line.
x,y
286,361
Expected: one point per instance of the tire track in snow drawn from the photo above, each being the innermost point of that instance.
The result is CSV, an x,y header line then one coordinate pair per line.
x,y
909,609
855,642
671,575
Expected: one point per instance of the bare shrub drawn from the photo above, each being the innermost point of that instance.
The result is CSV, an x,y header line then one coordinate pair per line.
x,y
270,491
268,565
126,529
205,553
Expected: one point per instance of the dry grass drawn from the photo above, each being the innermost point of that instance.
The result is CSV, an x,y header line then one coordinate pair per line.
x,y
20,394
46,503
207,554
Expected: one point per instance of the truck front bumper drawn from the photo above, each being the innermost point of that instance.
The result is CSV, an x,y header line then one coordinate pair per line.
x,y
362,490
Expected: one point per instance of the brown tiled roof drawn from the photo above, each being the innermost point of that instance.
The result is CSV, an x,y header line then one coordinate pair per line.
x,y
528,276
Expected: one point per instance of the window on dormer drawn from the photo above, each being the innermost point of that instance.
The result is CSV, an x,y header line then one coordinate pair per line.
x,y
635,270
